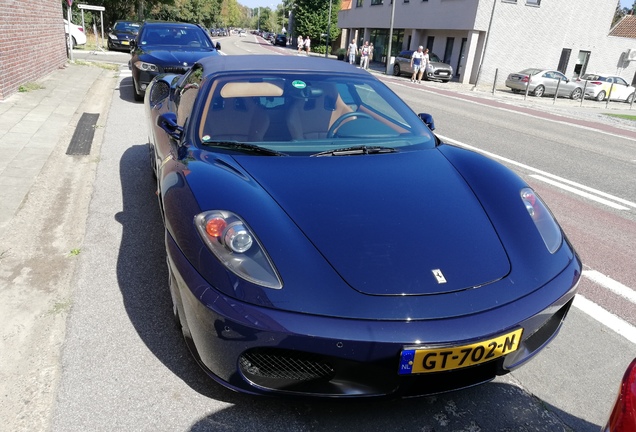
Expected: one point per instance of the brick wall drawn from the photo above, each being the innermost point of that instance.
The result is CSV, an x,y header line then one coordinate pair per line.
x,y
32,41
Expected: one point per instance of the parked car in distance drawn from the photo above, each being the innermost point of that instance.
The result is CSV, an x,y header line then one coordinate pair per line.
x,y
623,416
280,39
436,70
167,47
599,85
77,34
544,82
295,269
120,35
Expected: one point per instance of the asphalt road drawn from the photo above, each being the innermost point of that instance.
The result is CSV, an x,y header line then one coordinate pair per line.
x,y
125,366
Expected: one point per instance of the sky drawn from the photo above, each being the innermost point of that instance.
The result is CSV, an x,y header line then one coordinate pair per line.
x,y
624,3
270,3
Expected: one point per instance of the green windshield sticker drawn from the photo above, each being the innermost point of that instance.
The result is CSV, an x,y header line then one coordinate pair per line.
x,y
299,84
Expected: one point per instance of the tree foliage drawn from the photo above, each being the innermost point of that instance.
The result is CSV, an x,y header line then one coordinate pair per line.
x,y
217,13
311,19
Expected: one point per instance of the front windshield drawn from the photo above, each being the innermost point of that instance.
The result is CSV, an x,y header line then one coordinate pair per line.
x,y
131,27
307,112
175,36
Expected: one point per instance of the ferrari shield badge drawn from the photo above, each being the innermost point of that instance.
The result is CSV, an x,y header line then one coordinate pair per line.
x,y
439,276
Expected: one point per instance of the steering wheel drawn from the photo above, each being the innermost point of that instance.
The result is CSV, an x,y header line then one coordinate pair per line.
x,y
332,130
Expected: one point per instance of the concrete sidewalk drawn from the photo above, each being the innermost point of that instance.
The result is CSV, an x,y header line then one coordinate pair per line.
x,y
32,123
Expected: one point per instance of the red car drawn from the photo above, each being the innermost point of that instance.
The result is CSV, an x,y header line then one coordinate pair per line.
x,y
623,417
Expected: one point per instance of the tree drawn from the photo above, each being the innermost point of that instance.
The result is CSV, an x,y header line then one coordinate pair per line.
x,y
311,19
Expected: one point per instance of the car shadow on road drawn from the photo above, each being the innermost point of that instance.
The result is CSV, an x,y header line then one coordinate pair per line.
x,y
143,276
493,407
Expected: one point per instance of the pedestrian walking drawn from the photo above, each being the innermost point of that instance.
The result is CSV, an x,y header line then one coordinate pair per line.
x,y
424,66
352,51
307,45
300,42
417,59
364,55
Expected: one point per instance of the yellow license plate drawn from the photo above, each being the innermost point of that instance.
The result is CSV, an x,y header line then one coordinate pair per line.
x,y
125,42
416,360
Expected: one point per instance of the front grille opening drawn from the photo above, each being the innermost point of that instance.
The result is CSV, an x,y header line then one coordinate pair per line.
x,y
285,366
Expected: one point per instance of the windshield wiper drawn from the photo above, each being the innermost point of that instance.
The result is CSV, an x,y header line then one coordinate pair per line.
x,y
244,147
356,150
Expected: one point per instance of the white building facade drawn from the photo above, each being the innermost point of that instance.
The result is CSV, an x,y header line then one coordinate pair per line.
x,y
482,39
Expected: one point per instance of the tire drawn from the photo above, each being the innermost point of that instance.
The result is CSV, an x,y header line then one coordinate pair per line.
x,y
139,97
576,94
538,91
601,96
396,70
630,98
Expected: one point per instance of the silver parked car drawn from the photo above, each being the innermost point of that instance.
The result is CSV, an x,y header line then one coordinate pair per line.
x,y
436,70
544,82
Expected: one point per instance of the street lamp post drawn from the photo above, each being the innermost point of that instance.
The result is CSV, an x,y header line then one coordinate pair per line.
x,y
328,30
388,54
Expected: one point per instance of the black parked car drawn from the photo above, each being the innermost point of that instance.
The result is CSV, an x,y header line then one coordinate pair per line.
x,y
280,39
121,34
167,47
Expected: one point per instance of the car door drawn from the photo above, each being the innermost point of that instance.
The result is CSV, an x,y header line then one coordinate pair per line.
x,y
549,82
620,90
565,86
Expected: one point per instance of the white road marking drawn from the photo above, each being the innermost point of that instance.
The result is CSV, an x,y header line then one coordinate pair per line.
x,y
579,192
606,318
543,173
614,286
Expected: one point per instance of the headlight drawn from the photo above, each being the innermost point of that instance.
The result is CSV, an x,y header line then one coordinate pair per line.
x,y
112,36
543,219
148,67
236,246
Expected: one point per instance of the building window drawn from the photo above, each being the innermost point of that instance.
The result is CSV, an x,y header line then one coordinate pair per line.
x,y
376,2
509,1
564,59
359,3
533,2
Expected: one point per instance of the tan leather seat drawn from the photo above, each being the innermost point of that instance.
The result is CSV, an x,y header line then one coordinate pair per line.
x,y
239,119
311,115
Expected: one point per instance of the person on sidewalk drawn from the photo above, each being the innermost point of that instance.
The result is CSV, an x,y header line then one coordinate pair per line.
x,y
364,55
307,45
300,43
417,60
425,61
352,51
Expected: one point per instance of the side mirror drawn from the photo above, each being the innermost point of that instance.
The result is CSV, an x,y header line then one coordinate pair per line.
x,y
218,46
168,122
428,120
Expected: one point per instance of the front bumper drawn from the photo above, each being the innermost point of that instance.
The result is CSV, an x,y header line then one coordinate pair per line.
x,y
259,350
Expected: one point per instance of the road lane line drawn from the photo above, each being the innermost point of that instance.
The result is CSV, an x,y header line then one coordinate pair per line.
x,y
538,171
578,192
606,318
614,286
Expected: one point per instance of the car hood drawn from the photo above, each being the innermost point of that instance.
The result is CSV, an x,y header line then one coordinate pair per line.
x,y
182,57
392,224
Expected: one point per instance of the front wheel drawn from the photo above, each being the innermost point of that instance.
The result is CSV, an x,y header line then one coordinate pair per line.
x,y
538,91
396,70
600,96
576,94
139,97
